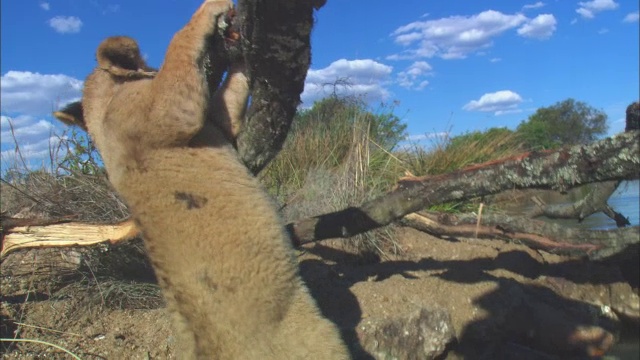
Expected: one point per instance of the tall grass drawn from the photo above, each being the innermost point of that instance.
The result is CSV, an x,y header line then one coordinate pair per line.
x,y
450,154
325,146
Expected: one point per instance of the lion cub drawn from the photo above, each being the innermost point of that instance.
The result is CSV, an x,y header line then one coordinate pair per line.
x,y
217,245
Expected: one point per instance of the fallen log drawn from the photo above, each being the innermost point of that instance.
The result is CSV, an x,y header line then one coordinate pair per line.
x,y
610,159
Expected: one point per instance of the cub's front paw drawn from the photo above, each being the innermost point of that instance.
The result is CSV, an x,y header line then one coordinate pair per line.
x,y
217,7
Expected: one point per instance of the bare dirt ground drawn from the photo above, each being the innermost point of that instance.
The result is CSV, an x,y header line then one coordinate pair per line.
x,y
504,301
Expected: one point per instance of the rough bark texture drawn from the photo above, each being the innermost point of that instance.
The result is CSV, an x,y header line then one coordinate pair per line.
x,y
615,158
276,45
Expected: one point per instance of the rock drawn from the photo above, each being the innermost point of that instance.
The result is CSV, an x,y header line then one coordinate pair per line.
x,y
419,333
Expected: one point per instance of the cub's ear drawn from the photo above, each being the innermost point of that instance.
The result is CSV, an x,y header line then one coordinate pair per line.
x,y
120,56
72,115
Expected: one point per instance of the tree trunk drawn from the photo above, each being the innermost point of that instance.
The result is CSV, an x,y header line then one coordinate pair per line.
x,y
276,44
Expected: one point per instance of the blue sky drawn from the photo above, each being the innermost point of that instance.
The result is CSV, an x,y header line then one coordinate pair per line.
x,y
449,66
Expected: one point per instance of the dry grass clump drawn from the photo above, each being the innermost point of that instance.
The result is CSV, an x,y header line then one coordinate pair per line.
x,y
82,197
329,167
449,154
73,186
72,183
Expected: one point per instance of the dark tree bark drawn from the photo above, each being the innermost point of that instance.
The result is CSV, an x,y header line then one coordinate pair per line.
x,y
611,159
275,37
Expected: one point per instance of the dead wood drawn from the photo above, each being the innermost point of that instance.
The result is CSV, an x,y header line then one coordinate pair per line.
x,y
611,159
276,44
64,234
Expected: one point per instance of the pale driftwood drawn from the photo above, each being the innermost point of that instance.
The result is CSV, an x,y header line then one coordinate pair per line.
x,y
67,234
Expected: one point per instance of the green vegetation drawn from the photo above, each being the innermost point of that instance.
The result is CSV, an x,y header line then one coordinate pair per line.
x,y
330,134
568,122
81,155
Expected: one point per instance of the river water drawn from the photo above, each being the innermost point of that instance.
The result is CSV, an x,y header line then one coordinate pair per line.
x,y
626,200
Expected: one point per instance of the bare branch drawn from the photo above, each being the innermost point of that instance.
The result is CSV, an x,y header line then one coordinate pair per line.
x,y
535,234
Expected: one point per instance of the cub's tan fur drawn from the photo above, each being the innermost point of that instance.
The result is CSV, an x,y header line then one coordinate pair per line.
x,y
224,263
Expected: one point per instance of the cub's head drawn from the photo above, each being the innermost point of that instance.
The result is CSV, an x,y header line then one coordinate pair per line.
x,y
120,57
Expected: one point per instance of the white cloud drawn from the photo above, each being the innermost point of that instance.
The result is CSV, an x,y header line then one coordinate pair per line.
x,y
455,37
589,9
541,27
508,111
412,77
631,17
24,126
33,135
65,24
363,77
45,6
24,92
499,102
603,31
495,60
537,5
32,151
